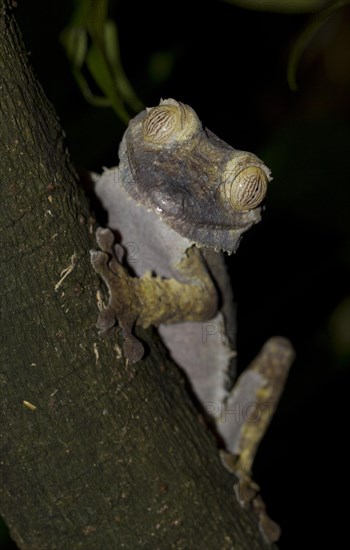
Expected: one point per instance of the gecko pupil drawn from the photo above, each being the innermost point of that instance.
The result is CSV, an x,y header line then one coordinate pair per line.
x,y
250,191
249,188
159,124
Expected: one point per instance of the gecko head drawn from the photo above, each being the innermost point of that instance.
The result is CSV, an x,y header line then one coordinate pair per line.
x,y
207,191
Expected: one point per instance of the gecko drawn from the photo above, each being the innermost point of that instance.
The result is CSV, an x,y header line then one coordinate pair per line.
x,y
178,200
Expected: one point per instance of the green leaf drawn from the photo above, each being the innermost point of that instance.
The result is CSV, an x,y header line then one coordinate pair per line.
x,y
97,101
75,42
90,14
111,44
100,71
306,37
101,57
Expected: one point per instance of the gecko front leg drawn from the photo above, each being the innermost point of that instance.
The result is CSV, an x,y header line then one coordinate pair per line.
x,y
150,300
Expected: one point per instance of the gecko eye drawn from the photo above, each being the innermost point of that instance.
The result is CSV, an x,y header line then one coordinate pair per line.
x,y
247,189
161,123
168,123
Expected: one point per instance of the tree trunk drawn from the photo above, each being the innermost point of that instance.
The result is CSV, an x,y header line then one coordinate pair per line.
x,y
95,452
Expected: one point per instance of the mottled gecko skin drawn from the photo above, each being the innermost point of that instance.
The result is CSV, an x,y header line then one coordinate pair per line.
x,y
179,197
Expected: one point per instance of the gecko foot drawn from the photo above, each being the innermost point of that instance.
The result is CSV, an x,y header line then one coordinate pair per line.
x,y
121,298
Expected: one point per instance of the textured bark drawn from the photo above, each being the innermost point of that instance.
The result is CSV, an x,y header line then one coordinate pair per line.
x,y
114,455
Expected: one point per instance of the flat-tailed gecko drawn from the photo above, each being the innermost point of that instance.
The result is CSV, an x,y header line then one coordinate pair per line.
x,y
179,198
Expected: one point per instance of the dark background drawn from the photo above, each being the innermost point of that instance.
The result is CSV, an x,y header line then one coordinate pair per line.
x,y
291,272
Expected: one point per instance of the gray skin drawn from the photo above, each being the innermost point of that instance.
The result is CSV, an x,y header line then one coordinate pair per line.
x,y
167,196
179,197
201,349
